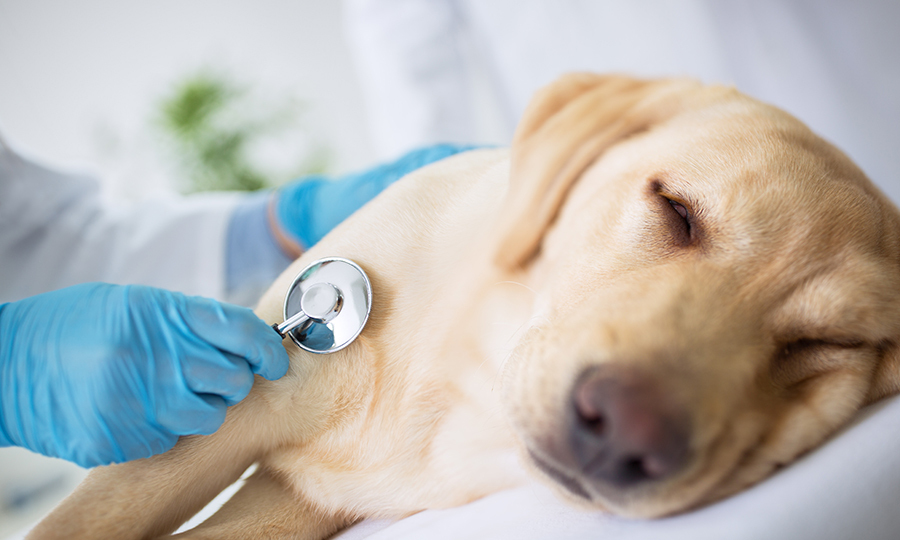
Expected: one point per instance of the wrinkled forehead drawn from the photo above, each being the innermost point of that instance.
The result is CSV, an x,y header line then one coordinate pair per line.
x,y
744,140
764,171
763,189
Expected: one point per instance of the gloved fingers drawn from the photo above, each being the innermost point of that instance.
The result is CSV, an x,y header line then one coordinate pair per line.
x,y
238,331
192,414
219,373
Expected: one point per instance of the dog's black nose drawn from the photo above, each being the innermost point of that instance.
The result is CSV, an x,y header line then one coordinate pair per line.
x,y
623,430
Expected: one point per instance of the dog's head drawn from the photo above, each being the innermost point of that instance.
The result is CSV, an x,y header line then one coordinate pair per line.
x,y
716,291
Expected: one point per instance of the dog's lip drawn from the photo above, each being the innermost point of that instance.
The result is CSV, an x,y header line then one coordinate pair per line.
x,y
569,482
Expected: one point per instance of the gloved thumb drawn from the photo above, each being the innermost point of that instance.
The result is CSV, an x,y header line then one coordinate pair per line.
x,y
238,331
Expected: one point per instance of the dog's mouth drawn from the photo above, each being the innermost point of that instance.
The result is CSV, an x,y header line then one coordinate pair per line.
x,y
646,499
567,481
619,442
639,487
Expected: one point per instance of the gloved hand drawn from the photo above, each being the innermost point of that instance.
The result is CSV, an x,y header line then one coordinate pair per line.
x,y
307,209
100,373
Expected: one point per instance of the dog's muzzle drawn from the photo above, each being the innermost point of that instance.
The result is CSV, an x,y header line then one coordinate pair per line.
x,y
620,433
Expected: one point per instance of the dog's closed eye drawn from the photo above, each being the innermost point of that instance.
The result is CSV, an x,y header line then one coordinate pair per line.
x,y
806,345
683,212
679,220
802,359
679,217
799,348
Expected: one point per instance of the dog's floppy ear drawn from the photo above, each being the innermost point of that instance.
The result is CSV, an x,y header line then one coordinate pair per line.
x,y
567,125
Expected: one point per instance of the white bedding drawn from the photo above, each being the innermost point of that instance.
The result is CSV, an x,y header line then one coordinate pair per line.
x,y
848,489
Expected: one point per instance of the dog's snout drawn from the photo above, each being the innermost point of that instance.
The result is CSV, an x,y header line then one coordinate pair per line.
x,y
623,430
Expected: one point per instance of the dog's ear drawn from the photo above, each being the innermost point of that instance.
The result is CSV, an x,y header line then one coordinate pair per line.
x,y
567,125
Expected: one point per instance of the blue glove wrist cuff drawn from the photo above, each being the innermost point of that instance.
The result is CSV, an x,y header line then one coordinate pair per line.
x,y
296,210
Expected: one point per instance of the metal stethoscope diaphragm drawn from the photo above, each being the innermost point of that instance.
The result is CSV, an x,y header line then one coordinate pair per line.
x,y
326,306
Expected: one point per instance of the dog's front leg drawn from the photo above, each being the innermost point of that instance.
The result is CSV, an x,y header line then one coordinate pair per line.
x,y
265,508
150,497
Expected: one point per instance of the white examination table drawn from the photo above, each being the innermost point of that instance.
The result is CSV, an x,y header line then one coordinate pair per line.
x,y
847,489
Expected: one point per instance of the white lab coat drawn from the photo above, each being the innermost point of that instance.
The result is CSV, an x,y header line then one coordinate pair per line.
x,y
464,70
57,230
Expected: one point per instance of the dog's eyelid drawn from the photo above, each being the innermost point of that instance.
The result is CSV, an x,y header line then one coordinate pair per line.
x,y
675,199
844,343
680,208
685,214
794,346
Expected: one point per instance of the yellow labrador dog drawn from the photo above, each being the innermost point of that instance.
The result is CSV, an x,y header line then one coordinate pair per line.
x,y
661,294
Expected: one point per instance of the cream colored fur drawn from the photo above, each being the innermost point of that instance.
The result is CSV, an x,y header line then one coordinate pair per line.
x,y
498,276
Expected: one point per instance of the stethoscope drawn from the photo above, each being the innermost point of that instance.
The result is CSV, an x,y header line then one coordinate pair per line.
x,y
326,306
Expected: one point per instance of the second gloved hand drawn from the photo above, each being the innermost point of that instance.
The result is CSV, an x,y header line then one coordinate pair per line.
x,y
307,209
100,373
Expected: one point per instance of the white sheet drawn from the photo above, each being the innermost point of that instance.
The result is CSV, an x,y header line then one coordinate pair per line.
x,y
849,488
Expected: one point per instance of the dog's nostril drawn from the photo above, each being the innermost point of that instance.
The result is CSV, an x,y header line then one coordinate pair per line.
x,y
593,423
635,468
587,410
624,431
643,468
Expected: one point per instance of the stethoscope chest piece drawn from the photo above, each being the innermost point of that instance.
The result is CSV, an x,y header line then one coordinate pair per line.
x,y
327,305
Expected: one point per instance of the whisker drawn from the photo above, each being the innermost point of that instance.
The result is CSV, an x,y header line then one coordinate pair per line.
x,y
529,289
534,319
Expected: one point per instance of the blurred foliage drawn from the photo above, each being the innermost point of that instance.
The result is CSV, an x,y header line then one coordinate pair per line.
x,y
212,124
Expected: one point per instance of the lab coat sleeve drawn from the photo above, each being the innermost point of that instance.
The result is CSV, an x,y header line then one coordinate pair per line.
x,y
57,230
253,258
409,59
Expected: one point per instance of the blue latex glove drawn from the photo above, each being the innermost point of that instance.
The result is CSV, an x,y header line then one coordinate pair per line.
x,y
309,208
100,373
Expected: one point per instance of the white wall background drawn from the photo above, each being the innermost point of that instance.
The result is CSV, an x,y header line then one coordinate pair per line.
x,y
79,80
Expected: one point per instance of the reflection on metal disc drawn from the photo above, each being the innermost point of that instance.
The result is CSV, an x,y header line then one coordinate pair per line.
x,y
351,307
